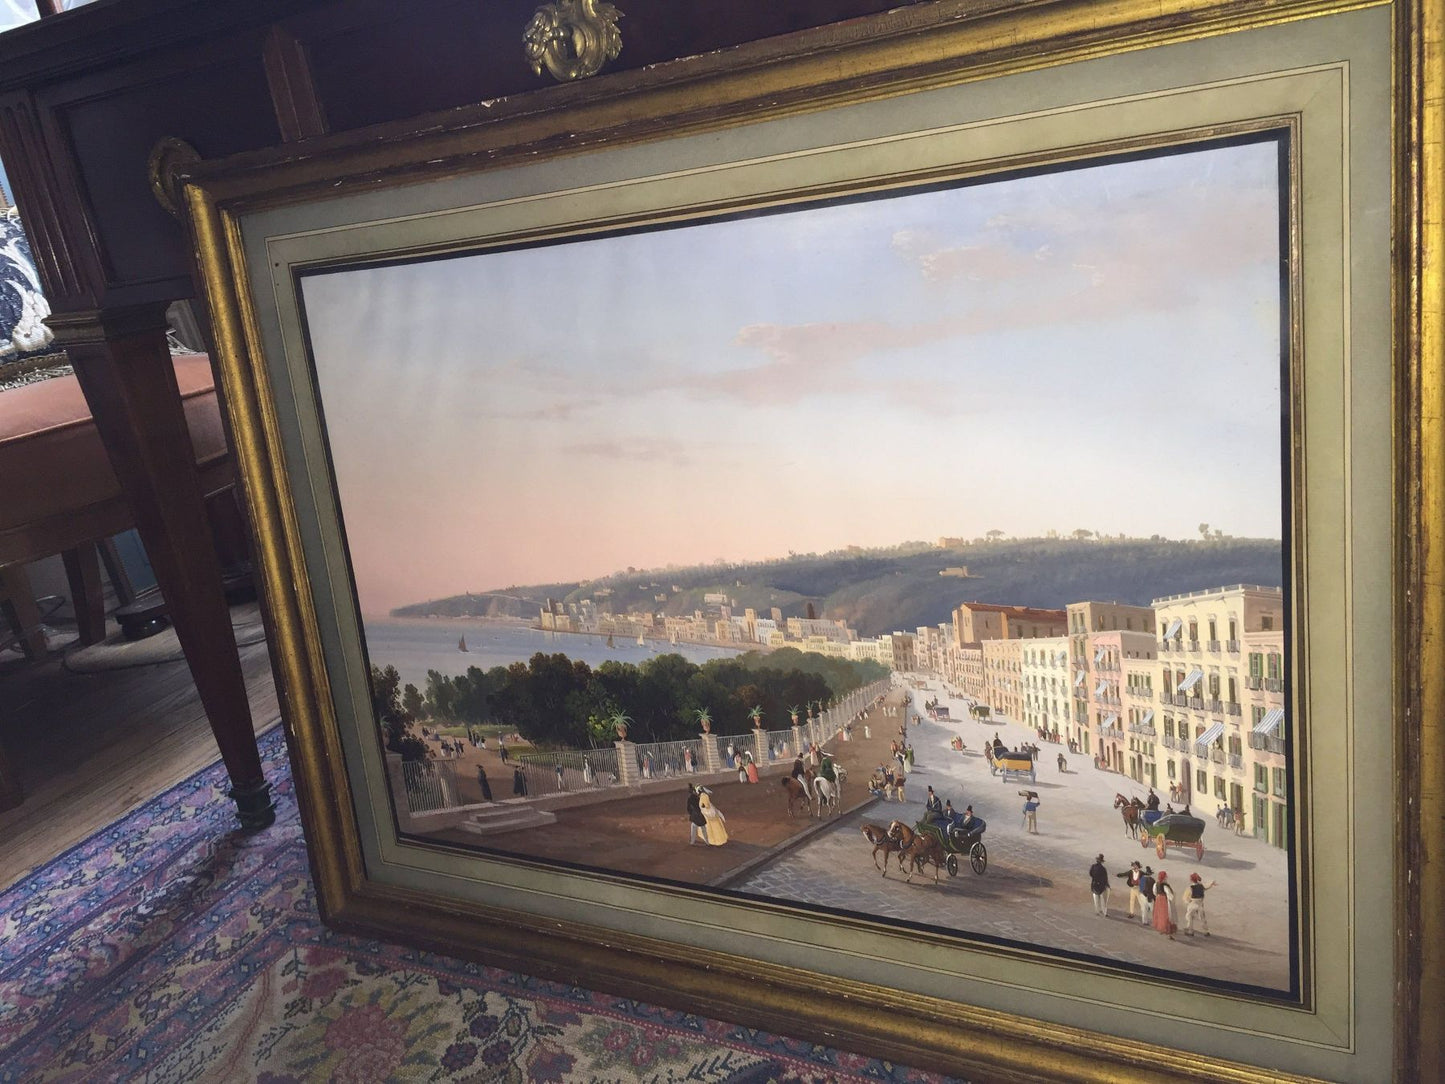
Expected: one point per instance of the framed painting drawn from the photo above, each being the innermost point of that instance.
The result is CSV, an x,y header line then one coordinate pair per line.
x,y
922,534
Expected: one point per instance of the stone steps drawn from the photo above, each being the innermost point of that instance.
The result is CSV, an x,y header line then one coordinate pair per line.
x,y
506,817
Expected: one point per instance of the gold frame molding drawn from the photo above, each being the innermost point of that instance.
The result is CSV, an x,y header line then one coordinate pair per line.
x,y
925,46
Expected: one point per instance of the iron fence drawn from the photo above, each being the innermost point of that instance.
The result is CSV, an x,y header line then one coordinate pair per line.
x,y
430,784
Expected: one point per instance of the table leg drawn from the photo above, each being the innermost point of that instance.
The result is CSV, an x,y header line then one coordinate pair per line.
x,y
125,370
82,569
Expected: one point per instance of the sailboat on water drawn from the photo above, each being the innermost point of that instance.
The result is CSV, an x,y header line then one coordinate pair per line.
x,y
610,642
640,641
462,644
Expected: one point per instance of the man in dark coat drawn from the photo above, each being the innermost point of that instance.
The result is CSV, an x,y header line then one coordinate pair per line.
x,y
519,783
696,822
482,782
1099,886
1146,895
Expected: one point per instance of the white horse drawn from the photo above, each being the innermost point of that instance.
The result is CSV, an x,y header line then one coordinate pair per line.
x,y
825,794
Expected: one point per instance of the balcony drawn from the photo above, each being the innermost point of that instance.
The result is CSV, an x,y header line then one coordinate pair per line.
x,y
1234,708
1111,733
1236,761
1146,729
1215,705
1274,685
1231,646
1254,681
1112,667
1267,744
1164,646
1217,755
1166,698
1195,702
1171,742
1214,646
1144,691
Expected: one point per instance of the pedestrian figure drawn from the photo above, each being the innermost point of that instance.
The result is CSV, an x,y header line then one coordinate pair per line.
x,y
717,832
898,781
1132,876
1239,821
1194,908
1099,886
588,777
1146,896
696,822
1031,811
1164,905
561,782
1063,764
687,762
482,782
751,771
502,750
908,758
519,783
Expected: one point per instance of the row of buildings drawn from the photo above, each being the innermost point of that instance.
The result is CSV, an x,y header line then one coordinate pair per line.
x,y
1186,693
721,623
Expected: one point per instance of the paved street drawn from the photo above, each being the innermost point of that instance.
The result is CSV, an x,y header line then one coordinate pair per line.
x,y
1036,888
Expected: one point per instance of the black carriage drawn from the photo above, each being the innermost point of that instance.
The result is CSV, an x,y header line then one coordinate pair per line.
x,y
956,840
1172,830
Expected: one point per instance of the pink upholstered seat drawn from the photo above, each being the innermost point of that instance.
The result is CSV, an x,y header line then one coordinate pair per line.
x,y
54,469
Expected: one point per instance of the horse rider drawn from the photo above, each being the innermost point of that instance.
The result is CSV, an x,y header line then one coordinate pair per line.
x,y
1153,802
800,773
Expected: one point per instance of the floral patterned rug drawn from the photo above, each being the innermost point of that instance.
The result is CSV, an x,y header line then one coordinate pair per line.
x,y
170,947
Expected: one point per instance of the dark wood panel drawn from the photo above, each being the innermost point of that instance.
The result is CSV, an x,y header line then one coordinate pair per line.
x,y
374,62
220,108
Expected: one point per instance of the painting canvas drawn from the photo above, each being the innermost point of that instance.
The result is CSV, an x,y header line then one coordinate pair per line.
x,y
920,554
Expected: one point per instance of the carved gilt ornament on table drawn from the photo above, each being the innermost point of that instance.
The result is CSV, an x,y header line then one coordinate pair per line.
x,y
572,39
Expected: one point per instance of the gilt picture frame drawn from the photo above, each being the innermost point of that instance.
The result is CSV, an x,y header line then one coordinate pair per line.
x,y
950,96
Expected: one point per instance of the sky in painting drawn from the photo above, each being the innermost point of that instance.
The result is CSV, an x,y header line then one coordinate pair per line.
x,y
1094,348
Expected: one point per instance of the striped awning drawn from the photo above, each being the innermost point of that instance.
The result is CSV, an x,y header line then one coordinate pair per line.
x,y
1148,718
1099,655
1191,681
1272,724
1100,690
1205,740
1173,628
1079,676
1109,720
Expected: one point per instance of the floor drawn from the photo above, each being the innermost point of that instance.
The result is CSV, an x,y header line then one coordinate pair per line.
x,y
92,746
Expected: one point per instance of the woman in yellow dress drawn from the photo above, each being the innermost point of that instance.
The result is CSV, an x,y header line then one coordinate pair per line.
x,y
717,832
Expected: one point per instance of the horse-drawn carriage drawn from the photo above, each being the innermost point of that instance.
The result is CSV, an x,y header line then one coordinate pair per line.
x,y
1167,830
1013,764
978,711
955,840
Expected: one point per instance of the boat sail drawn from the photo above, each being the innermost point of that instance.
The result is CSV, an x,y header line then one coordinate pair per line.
x,y
640,641
610,643
462,644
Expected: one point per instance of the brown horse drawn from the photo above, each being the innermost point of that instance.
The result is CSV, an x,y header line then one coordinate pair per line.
x,y
903,834
1129,809
921,852
878,835
796,793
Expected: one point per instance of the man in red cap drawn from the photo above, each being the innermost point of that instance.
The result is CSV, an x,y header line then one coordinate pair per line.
x,y
1194,909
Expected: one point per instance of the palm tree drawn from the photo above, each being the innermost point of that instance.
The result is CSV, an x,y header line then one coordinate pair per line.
x,y
704,719
793,714
756,715
620,721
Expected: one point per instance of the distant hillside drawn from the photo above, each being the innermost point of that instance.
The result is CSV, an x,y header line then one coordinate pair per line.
x,y
901,588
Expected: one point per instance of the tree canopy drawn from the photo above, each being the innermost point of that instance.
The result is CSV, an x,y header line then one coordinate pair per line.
x,y
557,700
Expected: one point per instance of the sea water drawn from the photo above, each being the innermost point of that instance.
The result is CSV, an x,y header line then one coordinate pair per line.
x,y
416,645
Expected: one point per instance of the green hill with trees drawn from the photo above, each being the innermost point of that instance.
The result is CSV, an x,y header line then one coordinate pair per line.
x,y
912,584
